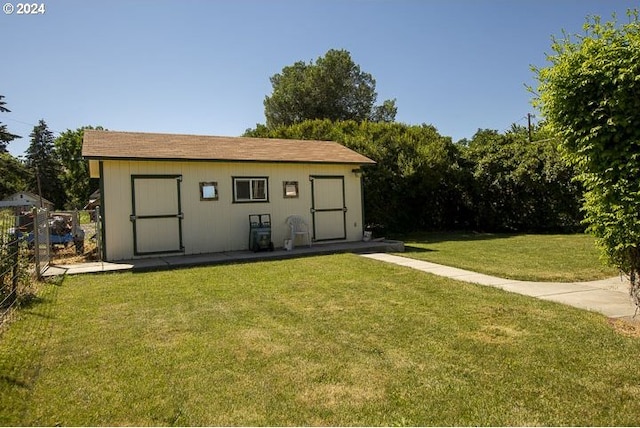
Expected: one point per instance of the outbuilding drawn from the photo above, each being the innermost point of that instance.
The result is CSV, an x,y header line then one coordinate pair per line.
x,y
24,201
188,194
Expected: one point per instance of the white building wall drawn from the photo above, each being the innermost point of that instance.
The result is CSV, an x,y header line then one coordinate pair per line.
x,y
221,225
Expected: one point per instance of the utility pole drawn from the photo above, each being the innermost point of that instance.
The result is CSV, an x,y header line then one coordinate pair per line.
x,y
529,116
39,186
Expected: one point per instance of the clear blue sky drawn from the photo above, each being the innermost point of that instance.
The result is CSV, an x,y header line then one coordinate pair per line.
x,y
203,66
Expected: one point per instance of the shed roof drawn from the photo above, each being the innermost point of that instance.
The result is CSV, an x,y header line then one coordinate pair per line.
x,y
138,145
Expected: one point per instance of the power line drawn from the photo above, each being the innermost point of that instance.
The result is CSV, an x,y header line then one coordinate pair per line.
x,y
30,124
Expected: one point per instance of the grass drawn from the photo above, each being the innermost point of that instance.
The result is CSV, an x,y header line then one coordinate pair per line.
x,y
556,258
332,340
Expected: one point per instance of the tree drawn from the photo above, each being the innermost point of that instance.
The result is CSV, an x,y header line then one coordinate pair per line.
x,y
333,88
414,184
75,170
42,160
590,94
14,175
12,171
385,112
5,136
521,185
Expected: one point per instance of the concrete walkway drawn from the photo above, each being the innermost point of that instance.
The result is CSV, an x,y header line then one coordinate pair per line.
x,y
609,296
182,261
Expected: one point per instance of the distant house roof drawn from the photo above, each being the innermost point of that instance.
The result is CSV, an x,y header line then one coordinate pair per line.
x,y
24,199
138,145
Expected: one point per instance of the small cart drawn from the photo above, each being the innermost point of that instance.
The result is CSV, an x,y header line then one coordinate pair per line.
x,y
260,232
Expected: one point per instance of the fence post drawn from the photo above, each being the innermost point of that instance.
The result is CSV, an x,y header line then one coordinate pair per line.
x,y
36,241
15,266
99,236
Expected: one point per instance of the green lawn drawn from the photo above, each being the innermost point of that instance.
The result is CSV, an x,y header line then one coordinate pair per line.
x,y
331,340
557,258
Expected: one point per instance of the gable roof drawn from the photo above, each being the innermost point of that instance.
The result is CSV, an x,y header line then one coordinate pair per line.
x,y
20,199
146,146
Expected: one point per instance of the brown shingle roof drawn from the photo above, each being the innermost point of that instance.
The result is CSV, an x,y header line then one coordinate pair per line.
x,y
138,145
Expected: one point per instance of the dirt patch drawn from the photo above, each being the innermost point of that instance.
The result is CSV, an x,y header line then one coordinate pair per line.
x,y
68,254
627,326
62,255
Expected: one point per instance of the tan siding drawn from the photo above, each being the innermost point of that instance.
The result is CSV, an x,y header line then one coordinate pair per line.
x,y
156,196
329,225
329,194
94,169
157,234
117,208
214,226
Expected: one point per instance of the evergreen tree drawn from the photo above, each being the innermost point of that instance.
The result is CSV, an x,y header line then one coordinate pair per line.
x,y
41,159
5,136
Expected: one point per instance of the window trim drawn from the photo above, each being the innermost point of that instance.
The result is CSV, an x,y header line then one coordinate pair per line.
x,y
285,185
216,194
251,180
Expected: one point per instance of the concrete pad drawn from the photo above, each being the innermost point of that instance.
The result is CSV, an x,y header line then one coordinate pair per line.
x,y
147,264
482,279
447,271
96,267
80,268
54,271
197,259
611,304
169,262
609,296
437,269
618,284
387,257
540,289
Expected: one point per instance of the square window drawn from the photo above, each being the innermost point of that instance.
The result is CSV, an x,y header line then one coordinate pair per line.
x,y
290,189
209,191
250,189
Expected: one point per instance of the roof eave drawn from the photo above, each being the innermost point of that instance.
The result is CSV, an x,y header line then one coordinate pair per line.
x,y
161,159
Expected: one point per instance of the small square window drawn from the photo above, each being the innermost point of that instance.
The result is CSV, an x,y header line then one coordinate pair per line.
x,y
250,189
209,191
290,189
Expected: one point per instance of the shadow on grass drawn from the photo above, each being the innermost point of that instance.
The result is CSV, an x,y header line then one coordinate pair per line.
x,y
11,381
410,249
29,301
437,237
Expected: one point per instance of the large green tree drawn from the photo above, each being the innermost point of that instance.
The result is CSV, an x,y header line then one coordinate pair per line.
x,y
521,185
75,170
42,160
415,183
590,94
5,136
422,181
14,175
332,88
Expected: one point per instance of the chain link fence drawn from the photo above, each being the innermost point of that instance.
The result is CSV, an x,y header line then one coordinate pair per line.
x,y
74,236
16,260
31,242
40,241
